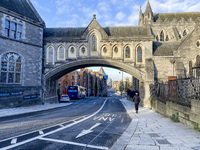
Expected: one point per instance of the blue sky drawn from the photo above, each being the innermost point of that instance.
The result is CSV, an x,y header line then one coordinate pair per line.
x,y
79,13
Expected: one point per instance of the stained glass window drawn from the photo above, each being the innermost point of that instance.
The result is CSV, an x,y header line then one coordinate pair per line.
x,y
11,68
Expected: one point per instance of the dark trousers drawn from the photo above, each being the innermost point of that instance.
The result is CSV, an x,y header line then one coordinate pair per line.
x,y
136,106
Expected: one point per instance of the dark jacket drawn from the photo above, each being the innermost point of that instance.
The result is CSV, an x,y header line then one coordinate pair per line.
x,y
136,99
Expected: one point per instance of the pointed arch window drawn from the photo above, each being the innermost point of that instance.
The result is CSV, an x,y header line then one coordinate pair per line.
x,y
94,43
161,36
198,65
61,53
50,55
127,52
139,54
184,33
11,68
167,38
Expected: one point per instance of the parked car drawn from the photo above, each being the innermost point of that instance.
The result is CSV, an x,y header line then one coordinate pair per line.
x,y
64,98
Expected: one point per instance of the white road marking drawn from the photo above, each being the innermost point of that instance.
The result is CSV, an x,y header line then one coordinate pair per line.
x,y
14,141
122,120
41,132
104,118
61,125
111,119
59,129
74,143
84,132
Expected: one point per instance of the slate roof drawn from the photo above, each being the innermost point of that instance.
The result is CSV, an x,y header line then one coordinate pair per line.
x,y
21,7
177,16
165,48
64,34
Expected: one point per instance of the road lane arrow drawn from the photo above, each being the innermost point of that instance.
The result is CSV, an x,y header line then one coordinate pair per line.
x,y
84,132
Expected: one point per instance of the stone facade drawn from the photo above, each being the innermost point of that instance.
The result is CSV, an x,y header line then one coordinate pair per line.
x,y
21,75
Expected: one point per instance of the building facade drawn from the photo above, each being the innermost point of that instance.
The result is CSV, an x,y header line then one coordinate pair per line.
x,y
21,53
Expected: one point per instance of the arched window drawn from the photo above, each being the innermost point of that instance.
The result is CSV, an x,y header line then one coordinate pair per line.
x,y
61,53
198,65
83,50
11,68
162,36
105,50
94,43
190,69
139,54
167,38
184,33
127,52
50,55
157,38
116,49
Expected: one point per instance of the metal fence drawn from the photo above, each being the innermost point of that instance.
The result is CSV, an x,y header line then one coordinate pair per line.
x,y
179,90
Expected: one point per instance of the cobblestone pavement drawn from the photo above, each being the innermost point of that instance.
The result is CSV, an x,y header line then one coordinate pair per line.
x,y
151,131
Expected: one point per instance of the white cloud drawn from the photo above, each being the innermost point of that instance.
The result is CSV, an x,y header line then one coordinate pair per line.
x,y
120,16
36,4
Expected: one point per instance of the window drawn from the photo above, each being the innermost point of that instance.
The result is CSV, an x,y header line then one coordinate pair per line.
x,y
127,51
116,50
72,50
83,50
19,31
50,55
61,53
66,84
72,77
13,30
139,54
84,84
161,36
94,43
167,38
105,50
79,84
83,77
79,77
72,83
7,28
184,33
11,68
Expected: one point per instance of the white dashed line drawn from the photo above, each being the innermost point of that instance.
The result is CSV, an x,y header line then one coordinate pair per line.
x,y
14,141
41,132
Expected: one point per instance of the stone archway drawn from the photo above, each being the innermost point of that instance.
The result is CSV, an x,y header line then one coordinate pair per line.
x,y
55,73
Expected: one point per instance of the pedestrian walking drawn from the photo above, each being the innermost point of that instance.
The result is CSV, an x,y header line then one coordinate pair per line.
x,y
136,100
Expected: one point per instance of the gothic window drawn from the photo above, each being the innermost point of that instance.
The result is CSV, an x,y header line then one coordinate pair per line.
x,y
72,50
116,49
61,53
7,28
94,43
127,52
190,69
198,44
11,68
139,54
83,50
162,36
50,55
184,33
167,38
198,65
105,50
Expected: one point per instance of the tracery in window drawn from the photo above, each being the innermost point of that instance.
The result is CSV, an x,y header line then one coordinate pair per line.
x,y
139,54
94,43
127,52
11,68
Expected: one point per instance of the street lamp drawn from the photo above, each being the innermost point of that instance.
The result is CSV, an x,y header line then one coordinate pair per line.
x,y
122,85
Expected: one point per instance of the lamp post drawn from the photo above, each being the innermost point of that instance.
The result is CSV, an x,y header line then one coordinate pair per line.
x,y
122,85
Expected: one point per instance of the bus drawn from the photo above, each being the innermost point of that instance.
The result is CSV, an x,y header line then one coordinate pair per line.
x,y
76,91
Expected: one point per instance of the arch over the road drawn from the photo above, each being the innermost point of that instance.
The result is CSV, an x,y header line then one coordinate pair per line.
x,y
59,71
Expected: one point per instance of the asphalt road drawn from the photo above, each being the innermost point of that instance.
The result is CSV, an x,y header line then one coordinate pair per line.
x,y
90,123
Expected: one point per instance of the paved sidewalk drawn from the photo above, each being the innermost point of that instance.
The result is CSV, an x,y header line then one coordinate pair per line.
x,y
151,131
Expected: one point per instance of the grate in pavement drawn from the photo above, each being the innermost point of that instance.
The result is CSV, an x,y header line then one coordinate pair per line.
x,y
163,141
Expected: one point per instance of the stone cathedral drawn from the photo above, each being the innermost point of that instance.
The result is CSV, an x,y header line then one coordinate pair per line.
x,y
33,57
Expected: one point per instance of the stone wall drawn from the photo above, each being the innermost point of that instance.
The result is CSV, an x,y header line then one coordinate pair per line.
x,y
186,115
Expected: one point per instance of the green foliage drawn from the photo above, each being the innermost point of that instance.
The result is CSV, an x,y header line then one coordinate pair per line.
x,y
196,126
174,117
187,116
